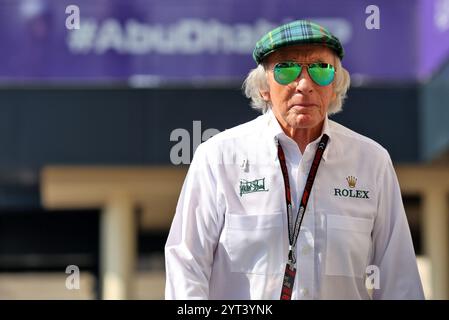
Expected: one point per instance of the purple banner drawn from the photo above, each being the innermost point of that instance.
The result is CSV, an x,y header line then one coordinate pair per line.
x,y
149,42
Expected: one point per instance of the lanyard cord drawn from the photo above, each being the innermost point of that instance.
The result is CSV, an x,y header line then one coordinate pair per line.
x,y
293,233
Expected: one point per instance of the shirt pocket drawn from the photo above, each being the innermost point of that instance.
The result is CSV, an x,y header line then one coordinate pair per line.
x,y
348,245
254,243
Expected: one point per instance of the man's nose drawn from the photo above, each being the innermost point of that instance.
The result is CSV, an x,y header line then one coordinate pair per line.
x,y
304,83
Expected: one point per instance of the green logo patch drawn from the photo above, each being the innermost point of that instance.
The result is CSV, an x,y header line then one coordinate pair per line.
x,y
257,185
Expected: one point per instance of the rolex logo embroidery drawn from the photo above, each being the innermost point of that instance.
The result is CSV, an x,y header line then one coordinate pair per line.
x,y
257,185
351,181
351,192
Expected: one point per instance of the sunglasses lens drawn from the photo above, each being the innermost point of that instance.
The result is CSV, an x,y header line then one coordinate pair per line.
x,y
322,73
286,72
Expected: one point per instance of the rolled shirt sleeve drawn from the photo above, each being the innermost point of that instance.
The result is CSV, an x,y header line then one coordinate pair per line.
x,y
393,248
194,233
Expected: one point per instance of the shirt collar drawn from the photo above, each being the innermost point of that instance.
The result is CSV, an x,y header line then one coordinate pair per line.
x,y
275,132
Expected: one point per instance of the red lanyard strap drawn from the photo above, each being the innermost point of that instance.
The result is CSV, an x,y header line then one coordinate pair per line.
x,y
293,234
290,270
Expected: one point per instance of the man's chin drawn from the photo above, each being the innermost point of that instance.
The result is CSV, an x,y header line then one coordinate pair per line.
x,y
302,121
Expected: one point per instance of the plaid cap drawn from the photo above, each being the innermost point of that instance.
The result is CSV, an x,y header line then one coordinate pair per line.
x,y
296,32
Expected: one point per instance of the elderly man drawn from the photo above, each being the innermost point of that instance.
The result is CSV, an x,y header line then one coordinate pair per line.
x,y
292,205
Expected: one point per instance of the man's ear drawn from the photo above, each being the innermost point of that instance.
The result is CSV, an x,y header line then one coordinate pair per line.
x,y
265,94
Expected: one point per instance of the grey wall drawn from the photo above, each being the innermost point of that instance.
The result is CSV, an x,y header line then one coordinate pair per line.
x,y
125,126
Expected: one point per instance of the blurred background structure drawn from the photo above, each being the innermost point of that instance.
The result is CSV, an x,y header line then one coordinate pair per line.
x,y
98,125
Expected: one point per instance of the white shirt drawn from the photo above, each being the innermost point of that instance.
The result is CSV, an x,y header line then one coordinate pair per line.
x,y
229,236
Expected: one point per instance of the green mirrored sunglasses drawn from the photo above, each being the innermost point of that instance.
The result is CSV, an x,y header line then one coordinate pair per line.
x,y
287,72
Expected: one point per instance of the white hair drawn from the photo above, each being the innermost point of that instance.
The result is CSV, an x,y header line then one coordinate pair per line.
x,y
256,81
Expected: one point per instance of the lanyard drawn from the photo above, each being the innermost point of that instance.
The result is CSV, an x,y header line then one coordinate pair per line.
x,y
290,268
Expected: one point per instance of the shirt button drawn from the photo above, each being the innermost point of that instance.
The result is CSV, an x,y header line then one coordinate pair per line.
x,y
304,292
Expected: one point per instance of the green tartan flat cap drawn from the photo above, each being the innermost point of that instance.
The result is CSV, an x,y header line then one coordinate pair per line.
x,y
293,33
